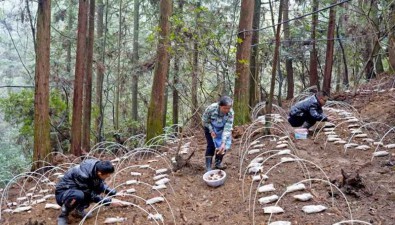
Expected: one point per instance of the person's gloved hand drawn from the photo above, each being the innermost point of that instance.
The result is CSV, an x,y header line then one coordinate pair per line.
x,y
110,192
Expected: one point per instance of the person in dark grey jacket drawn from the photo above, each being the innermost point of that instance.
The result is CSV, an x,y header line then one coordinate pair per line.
x,y
308,111
82,185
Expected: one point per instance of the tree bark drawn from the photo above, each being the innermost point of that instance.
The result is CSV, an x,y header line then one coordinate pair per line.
x,y
275,59
313,55
377,47
99,71
241,91
86,126
254,60
195,71
41,94
135,59
345,80
119,80
391,39
288,61
176,69
329,50
156,106
80,66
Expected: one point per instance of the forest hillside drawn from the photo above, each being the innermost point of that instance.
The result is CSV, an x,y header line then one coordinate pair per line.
x,y
351,177
130,80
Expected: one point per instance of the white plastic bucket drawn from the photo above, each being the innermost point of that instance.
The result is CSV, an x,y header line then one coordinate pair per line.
x,y
301,133
217,182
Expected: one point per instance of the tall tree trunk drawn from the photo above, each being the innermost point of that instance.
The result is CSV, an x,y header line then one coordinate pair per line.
x,y
42,145
338,72
367,56
99,71
175,91
86,126
345,72
69,42
241,92
254,60
157,101
391,39
288,61
329,50
195,73
275,59
177,69
101,37
135,59
118,82
313,55
378,63
80,66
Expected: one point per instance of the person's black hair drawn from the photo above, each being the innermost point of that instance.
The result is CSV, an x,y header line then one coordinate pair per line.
x,y
105,167
225,101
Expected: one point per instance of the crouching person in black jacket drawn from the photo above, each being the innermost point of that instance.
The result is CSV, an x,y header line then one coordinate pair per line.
x,y
308,111
82,185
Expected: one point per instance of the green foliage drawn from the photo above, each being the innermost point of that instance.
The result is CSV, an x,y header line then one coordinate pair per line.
x,y
18,109
12,162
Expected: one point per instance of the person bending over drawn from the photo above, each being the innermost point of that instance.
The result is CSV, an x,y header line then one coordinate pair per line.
x,y
308,111
82,185
218,123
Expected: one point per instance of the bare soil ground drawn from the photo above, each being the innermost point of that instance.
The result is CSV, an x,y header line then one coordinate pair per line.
x,y
367,195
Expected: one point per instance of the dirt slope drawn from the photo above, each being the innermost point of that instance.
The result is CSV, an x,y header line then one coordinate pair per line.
x,y
192,202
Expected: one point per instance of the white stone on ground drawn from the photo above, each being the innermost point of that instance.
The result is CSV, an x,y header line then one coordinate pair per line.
x,y
162,181
159,187
380,153
129,182
160,171
280,223
268,199
273,209
296,187
313,208
266,188
157,217
155,200
287,159
160,176
22,209
255,169
52,206
303,197
281,146
114,220
253,151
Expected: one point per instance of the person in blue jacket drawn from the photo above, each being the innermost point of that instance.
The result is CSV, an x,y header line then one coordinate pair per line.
x,y
218,124
82,185
308,111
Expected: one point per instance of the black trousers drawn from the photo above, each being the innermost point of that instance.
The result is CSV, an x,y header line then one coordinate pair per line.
x,y
305,120
210,150
81,200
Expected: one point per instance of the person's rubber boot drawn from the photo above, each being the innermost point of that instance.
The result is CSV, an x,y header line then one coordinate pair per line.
x,y
218,162
209,160
63,217
80,212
